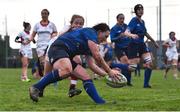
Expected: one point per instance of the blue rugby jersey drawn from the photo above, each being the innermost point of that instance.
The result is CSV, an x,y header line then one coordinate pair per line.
x,y
137,27
120,42
77,40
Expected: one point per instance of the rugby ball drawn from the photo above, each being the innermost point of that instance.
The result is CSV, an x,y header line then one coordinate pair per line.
x,y
116,83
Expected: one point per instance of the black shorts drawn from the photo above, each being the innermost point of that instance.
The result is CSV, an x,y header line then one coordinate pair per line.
x,y
135,50
56,52
121,52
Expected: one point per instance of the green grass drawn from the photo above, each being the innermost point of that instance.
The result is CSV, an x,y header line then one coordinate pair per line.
x,y
164,96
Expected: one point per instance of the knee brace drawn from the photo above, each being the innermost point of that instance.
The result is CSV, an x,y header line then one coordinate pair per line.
x,y
133,66
148,61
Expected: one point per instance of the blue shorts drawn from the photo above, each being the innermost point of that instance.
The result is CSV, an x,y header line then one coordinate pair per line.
x,y
57,52
120,52
135,50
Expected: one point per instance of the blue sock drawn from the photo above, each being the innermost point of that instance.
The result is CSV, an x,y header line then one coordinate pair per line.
x,y
147,76
91,91
138,69
135,72
47,79
120,66
127,74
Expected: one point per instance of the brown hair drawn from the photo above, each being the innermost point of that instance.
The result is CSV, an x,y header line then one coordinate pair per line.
x,y
74,17
25,24
45,10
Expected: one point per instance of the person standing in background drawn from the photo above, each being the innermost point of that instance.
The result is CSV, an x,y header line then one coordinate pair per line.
x,y
46,30
137,48
25,50
121,44
172,54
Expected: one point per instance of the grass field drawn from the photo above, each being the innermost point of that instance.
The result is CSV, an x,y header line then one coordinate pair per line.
x,y
164,95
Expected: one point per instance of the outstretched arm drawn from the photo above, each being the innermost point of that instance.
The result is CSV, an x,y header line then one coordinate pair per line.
x,y
92,65
100,61
152,40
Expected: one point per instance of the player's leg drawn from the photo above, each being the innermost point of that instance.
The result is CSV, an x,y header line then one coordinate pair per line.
x,y
138,70
47,66
73,80
148,69
122,57
168,66
72,88
82,74
61,69
133,54
25,62
174,65
40,52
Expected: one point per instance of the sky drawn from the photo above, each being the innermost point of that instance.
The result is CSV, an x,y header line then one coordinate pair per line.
x,y
94,11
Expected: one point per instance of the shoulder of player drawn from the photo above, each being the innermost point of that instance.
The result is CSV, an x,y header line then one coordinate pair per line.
x,y
88,29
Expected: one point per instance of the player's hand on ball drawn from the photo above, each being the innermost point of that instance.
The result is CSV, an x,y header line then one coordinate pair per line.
x,y
116,83
114,74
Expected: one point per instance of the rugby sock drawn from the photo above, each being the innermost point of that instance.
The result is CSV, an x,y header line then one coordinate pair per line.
x,y
119,65
47,79
73,82
135,72
138,69
147,76
91,91
72,86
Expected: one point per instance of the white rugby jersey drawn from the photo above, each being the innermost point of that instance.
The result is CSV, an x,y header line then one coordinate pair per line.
x,y
24,36
44,33
172,44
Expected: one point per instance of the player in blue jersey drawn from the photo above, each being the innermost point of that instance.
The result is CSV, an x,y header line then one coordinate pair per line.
x,y
77,21
136,30
80,41
121,43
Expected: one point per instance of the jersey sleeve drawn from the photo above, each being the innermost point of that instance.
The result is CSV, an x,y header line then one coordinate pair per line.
x,y
166,41
54,27
114,35
35,27
20,35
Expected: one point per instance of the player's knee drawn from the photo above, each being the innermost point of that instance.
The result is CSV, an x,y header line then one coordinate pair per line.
x,y
174,66
168,66
68,70
77,60
132,67
25,65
